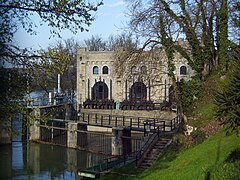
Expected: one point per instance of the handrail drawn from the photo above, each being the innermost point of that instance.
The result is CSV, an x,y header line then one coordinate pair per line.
x,y
124,159
148,144
106,120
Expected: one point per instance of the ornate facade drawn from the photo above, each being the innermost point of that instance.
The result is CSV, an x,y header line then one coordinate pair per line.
x,y
141,85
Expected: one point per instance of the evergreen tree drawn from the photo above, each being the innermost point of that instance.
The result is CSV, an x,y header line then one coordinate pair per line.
x,y
228,102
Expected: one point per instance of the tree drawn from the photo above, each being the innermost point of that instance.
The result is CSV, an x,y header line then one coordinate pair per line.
x,y
227,102
73,15
57,14
63,61
96,43
200,22
204,24
124,41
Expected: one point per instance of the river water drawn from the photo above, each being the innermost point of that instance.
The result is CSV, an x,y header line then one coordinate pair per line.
x,y
22,160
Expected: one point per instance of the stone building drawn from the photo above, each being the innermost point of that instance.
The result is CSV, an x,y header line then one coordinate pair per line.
x,y
141,85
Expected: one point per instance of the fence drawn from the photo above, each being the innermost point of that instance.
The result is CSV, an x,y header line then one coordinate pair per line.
x,y
94,142
159,127
124,159
134,123
56,132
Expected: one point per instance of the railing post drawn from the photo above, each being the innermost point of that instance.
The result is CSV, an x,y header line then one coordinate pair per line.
x,y
52,133
101,120
116,121
88,118
174,125
131,123
138,121
171,125
107,163
109,119
164,126
123,121
83,116
154,124
95,118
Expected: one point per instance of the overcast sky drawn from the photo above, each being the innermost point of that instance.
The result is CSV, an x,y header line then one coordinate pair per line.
x,y
110,20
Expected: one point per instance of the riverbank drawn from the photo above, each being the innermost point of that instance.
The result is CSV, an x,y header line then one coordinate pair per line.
x,y
217,157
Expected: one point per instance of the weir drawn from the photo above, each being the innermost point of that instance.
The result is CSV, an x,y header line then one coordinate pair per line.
x,y
124,137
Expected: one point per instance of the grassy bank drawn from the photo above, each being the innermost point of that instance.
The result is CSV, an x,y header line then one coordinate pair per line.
x,y
218,157
209,160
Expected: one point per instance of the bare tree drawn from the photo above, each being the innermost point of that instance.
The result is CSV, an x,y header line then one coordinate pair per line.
x,y
197,21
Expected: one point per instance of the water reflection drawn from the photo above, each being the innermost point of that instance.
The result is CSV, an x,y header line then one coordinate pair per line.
x,y
40,161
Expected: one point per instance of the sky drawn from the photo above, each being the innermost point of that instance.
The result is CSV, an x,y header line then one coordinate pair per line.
x,y
110,20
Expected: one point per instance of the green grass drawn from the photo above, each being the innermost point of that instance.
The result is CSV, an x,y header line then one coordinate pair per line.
x,y
204,161
203,113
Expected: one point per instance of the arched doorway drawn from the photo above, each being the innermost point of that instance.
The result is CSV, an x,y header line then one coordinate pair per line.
x,y
138,92
100,91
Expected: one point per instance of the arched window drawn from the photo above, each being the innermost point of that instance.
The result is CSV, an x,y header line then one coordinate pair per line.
x,y
144,70
95,70
134,70
105,70
183,70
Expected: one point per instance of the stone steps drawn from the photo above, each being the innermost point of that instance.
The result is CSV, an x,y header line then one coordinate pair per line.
x,y
154,153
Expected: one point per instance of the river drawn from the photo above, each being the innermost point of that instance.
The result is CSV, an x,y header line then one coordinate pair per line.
x,y
22,160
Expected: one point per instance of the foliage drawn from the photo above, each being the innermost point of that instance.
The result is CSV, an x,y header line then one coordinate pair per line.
x,y
227,102
73,15
195,162
223,41
189,90
124,41
198,136
58,15
13,86
52,62
203,23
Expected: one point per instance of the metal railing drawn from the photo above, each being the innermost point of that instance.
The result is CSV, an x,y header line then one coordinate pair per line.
x,y
147,145
56,133
138,154
134,123
118,161
94,142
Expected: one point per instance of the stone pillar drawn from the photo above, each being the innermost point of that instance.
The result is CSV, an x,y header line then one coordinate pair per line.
x,y
34,131
121,146
117,147
72,134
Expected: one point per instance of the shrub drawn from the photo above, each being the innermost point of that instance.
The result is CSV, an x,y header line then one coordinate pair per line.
x,y
198,136
189,89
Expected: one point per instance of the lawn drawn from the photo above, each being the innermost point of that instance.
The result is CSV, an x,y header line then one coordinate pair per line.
x,y
208,160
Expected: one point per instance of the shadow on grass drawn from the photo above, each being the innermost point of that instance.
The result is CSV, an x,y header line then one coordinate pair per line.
x,y
233,156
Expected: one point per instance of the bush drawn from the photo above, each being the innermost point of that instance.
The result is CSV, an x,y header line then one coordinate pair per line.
x,y
189,89
198,136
